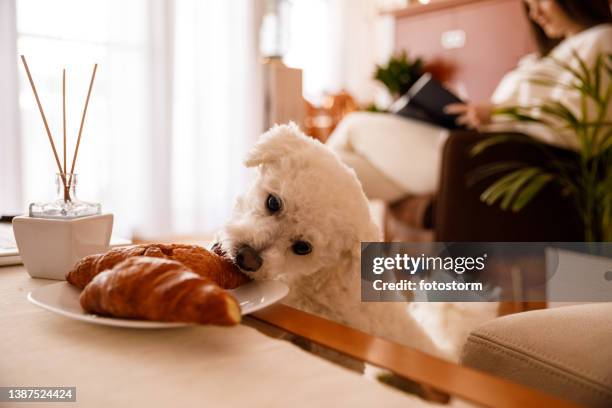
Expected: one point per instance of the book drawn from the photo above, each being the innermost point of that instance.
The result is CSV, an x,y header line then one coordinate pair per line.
x,y
425,101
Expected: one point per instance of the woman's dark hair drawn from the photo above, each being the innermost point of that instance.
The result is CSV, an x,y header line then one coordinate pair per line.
x,y
588,13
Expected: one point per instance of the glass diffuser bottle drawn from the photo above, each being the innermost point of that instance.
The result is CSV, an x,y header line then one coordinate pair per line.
x,y
66,204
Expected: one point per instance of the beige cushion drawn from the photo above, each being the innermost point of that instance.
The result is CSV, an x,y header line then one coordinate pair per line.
x,y
565,351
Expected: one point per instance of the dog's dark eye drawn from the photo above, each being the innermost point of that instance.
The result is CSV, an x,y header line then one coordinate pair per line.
x,y
301,248
273,204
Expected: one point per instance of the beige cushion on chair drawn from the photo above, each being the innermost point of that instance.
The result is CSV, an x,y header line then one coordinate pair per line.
x,y
565,351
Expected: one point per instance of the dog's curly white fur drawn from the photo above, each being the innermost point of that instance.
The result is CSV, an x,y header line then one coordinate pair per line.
x,y
322,204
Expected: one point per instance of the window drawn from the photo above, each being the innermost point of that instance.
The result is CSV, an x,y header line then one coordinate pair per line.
x,y
76,34
175,105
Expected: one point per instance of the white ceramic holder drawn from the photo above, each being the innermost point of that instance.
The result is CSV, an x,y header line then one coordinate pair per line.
x,y
49,248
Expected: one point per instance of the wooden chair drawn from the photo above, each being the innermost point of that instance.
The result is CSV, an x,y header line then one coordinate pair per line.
x,y
321,121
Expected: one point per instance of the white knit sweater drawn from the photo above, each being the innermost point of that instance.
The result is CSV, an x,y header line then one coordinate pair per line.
x,y
516,89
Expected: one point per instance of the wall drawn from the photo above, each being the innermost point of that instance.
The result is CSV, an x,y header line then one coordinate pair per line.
x,y
496,33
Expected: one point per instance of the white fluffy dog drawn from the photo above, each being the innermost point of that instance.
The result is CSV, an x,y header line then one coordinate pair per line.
x,y
302,222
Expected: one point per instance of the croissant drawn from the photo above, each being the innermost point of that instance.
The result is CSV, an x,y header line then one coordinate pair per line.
x,y
159,289
203,262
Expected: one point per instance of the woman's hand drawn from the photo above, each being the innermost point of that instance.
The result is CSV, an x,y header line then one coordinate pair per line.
x,y
472,115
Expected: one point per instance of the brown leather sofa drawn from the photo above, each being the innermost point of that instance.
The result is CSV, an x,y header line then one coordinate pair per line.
x,y
459,215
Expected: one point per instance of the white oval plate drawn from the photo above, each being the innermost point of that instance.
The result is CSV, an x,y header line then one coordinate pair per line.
x,y
63,298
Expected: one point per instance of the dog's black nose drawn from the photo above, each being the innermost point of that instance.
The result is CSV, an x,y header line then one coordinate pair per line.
x,y
248,258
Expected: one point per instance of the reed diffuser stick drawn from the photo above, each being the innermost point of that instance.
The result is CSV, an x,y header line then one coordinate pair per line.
x,y
44,118
66,186
78,143
64,113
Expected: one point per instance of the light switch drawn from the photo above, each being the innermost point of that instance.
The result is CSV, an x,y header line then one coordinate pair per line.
x,y
453,39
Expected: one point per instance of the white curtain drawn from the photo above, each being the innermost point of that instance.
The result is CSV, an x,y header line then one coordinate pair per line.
x,y
113,161
338,43
10,151
175,106
217,108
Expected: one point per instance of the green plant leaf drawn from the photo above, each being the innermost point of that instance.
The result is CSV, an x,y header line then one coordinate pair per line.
x,y
400,73
526,175
522,114
551,82
586,72
488,170
602,123
606,141
491,141
498,188
531,190
608,64
517,113
566,67
597,70
507,185
561,111
578,76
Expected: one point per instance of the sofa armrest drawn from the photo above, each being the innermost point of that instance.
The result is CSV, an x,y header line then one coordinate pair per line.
x,y
534,349
461,216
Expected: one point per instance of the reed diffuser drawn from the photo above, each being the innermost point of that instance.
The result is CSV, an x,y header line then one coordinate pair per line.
x,y
57,233
66,205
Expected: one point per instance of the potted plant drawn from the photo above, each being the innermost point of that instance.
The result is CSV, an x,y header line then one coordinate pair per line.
x,y
399,74
585,175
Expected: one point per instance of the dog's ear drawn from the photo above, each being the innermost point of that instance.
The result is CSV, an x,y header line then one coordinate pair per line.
x,y
278,142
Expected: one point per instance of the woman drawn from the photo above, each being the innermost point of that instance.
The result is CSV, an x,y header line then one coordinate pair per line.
x,y
395,156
